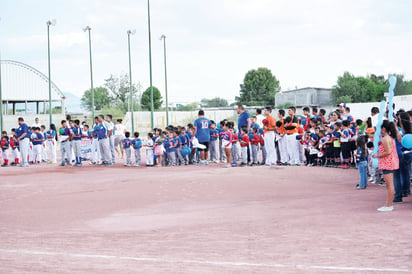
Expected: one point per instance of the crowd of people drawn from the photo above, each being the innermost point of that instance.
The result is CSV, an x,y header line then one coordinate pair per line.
x,y
316,139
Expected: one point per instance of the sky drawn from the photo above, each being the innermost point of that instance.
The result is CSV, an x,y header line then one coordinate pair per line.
x,y
210,44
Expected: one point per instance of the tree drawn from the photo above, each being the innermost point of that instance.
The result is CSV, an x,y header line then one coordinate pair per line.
x,y
214,103
351,89
119,89
101,99
157,99
403,87
259,88
189,107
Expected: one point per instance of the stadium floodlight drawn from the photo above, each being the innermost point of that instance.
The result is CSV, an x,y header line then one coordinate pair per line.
x,y
87,28
163,37
49,23
150,64
131,109
1,99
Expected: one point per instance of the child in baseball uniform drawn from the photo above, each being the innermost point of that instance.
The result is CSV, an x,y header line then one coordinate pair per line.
x,y
127,143
44,157
76,142
137,145
37,140
15,148
64,135
149,149
51,137
4,148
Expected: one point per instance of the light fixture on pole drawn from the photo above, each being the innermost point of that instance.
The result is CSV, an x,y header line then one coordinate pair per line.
x,y
49,23
163,37
88,29
131,109
150,63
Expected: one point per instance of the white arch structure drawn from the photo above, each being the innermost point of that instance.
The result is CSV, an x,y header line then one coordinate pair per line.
x,y
22,83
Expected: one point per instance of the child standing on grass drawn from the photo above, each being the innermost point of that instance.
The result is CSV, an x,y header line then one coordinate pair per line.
x,y
126,146
361,155
227,142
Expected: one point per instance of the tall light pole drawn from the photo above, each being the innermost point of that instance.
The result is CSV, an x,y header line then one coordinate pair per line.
x,y
150,63
163,37
131,32
88,29
49,23
1,101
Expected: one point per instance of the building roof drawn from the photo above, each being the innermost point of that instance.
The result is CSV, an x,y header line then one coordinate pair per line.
x,y
299,89
21,82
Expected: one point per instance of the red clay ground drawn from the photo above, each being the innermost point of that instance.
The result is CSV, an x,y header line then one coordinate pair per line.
x,y
198,220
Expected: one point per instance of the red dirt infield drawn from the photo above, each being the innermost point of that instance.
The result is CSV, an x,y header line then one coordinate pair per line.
x,y
198,219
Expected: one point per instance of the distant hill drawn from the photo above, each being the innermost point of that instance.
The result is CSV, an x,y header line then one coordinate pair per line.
x,y
72,103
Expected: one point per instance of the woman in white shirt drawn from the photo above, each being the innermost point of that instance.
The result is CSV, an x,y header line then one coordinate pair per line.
x,y
119,131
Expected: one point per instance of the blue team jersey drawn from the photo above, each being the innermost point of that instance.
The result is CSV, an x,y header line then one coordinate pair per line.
x,y
184,140
221,132
77,131
137,143
202,125
127,143
66,132
101,131
50,134
243,120
38,139
213,134
23,128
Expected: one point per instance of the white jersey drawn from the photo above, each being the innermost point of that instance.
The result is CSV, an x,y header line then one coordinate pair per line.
x,y
119,129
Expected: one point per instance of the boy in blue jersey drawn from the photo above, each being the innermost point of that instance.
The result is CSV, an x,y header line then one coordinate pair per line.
x,y
44,157
345,144
137,145
214,143
170,145
127,143
65,149
202,133
37,140
254,138
184,143
76,142
95,144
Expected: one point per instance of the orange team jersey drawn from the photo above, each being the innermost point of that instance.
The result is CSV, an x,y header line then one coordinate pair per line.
x,y
281,129
271,123
294,123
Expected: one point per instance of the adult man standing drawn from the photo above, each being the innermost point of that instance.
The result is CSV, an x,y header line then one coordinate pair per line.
x,y
202,133
23,137
110,135
36,122
259,117
104,144
291,129
244,121
269,130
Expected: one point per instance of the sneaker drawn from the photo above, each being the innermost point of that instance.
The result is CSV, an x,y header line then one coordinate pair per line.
x,y
371,179
62,164
227,166
397,201
373,182
382,184
385,208
136,165
243,165
126,165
